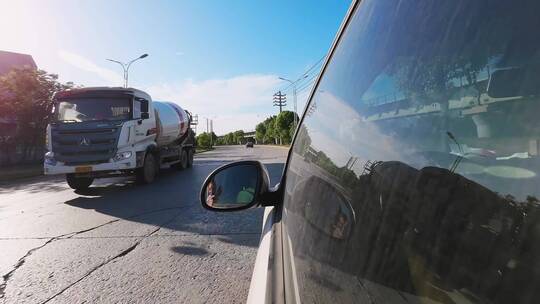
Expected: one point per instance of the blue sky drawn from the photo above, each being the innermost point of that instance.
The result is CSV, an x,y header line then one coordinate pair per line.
x,y
219,59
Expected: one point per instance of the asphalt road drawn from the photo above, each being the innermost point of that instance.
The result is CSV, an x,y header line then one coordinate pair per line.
x,y
120,242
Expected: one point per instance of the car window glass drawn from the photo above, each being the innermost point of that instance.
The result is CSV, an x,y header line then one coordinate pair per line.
x,y
136,109
93,109
414,176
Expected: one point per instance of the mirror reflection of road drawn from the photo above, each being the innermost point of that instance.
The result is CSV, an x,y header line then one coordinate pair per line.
x,y
128,243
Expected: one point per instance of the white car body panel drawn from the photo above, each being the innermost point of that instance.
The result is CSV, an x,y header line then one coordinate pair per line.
x,y
257,287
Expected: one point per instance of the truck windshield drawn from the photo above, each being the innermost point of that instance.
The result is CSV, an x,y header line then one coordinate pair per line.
x,y
93,109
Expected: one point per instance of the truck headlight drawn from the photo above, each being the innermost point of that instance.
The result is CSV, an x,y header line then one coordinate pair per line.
x,y
49,159
122,155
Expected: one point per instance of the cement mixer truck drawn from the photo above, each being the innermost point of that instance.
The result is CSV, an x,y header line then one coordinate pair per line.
x,y
106,132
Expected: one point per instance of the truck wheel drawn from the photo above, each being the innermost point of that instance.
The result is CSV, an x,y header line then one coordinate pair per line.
x,y
190,158
147,173
78,183
184,160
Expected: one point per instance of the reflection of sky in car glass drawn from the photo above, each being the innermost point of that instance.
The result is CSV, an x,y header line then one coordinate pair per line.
x,y
443,180
346,137
422,98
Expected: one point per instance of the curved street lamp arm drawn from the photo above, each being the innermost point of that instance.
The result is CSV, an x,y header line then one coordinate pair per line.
x,y
129,63
285,79
125,67
120,63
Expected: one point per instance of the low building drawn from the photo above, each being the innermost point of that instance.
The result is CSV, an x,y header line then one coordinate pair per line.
x,y
10,60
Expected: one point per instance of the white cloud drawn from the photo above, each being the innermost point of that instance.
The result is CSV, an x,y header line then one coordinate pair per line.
x,y
82,63
234,103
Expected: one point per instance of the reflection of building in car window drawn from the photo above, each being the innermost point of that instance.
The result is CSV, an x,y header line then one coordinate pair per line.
x,y
482,131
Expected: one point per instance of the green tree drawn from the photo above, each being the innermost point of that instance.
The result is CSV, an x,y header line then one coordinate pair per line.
x,y
214,138
203,140
238,137
228,138
270,134
260,132
283,124
219,141
27,95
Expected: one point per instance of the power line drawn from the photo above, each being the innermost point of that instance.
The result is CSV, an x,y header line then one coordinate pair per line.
x,y
308,83
307,79
301,81
319,62
306,87
306,73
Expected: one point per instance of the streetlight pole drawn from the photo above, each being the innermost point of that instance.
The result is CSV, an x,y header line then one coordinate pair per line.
x,y
293,83
125,67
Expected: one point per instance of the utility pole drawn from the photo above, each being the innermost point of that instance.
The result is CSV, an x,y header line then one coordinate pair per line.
x,y
280,100
211,133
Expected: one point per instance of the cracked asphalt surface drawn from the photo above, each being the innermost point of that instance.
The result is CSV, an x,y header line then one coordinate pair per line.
x,y
119,242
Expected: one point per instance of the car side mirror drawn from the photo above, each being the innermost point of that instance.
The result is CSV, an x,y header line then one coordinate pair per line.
x,y
237,186
145,115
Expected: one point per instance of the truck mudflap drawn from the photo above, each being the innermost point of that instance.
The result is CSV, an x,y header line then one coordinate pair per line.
x,y
140,158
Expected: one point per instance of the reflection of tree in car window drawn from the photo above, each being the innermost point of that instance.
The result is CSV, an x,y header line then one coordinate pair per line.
x,y
446,96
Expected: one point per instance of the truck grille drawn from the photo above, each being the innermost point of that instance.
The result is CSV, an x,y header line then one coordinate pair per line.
x,y
87,143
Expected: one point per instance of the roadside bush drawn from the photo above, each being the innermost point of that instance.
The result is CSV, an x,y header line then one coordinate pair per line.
x,y
204,140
